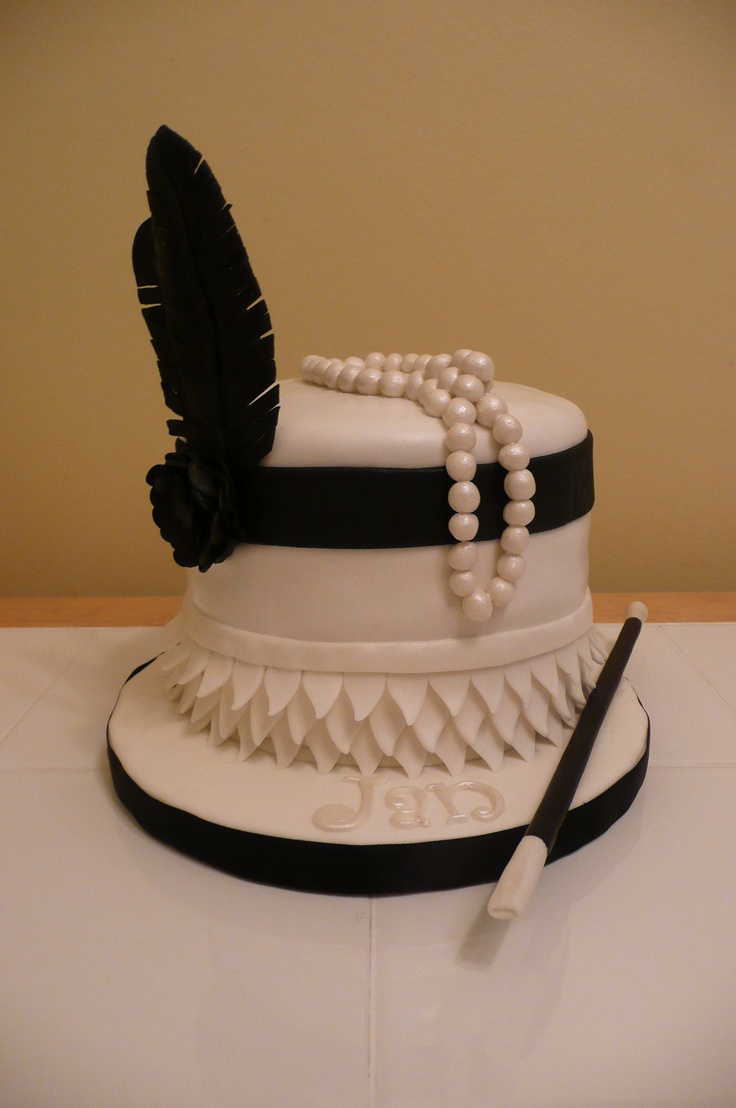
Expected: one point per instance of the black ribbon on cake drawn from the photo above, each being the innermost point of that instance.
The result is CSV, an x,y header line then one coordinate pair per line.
x,y
366,508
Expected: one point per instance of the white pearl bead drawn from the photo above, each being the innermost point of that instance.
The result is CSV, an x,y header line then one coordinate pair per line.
x,y
393,361
352,360
458,411
457,357
463,526
346,377
514,456
436,401
468,386
393,382
308,363
478,364
518,513
515,540
414,382
488,408
463,497
375,360
333,370
436,364
511,567
421,362
506,429
463,556
500,591
462,584
318,371
425,389
448,377
478,606
461,465
520,485
461,436
407,363
368,381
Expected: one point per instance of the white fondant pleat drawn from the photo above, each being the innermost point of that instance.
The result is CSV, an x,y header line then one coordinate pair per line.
x,y
537,709
283,745
341,723
452,688
195,667
556,730
525,739
519,677
371,717
228,717
322,747
410,753
177,656
544,668
280,686
387,723
471,715
489,745
364,690
202,709
430,721
246,679
189,695
216,674
452,748
300,715
409,691
323,690
247,746
261,720
365,750
215,738
490,685
507,716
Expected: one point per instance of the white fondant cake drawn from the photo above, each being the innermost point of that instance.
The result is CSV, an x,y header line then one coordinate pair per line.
x,y
365,656
387,593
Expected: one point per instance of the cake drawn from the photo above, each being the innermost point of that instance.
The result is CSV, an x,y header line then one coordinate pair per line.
x,y
387,636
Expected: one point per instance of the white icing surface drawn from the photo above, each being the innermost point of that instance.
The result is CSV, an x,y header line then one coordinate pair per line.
x,y
386,595
318,427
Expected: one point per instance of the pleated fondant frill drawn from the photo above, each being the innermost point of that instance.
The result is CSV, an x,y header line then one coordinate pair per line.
x,y
369,718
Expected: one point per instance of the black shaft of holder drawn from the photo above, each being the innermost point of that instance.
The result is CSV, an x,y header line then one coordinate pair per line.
x,y
561,790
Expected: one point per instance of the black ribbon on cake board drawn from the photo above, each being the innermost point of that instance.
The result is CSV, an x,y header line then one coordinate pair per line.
x,y
384,869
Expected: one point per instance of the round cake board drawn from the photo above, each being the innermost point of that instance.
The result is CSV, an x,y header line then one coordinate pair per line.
x,y
344,833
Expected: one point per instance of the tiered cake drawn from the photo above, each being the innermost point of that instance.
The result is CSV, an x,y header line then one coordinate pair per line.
x,y
387,635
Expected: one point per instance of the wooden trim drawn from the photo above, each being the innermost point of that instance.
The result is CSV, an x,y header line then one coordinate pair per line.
x,y
668,607
154,611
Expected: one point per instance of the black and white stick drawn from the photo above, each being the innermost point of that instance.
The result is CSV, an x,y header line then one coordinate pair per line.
x,y
519,879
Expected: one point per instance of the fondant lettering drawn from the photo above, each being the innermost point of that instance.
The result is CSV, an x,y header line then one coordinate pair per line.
x,y
409,804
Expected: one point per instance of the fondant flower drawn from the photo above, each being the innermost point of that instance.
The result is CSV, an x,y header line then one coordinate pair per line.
x,y
195,509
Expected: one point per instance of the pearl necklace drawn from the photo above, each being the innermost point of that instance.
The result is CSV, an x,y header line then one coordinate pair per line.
x,y
458,389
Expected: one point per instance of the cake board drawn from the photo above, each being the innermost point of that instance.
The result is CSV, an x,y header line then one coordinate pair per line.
x,y
341,833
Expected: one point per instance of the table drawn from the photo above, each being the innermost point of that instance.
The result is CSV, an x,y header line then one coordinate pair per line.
x,y
132,975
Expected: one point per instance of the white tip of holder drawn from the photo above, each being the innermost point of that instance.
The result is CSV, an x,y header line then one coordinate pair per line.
x,y
519,880
637,610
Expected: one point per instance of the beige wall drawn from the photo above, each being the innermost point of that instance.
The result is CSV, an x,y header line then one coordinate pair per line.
x,y
552,182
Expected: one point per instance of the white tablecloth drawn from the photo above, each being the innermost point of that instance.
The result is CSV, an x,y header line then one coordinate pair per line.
x,y
133,976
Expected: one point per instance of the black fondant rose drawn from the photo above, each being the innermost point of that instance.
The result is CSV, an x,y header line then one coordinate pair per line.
x,y
195,509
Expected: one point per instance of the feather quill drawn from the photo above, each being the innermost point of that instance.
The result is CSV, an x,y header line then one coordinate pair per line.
x,y
209,324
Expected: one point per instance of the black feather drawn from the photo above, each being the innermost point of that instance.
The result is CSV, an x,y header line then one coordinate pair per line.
x,y
208,321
